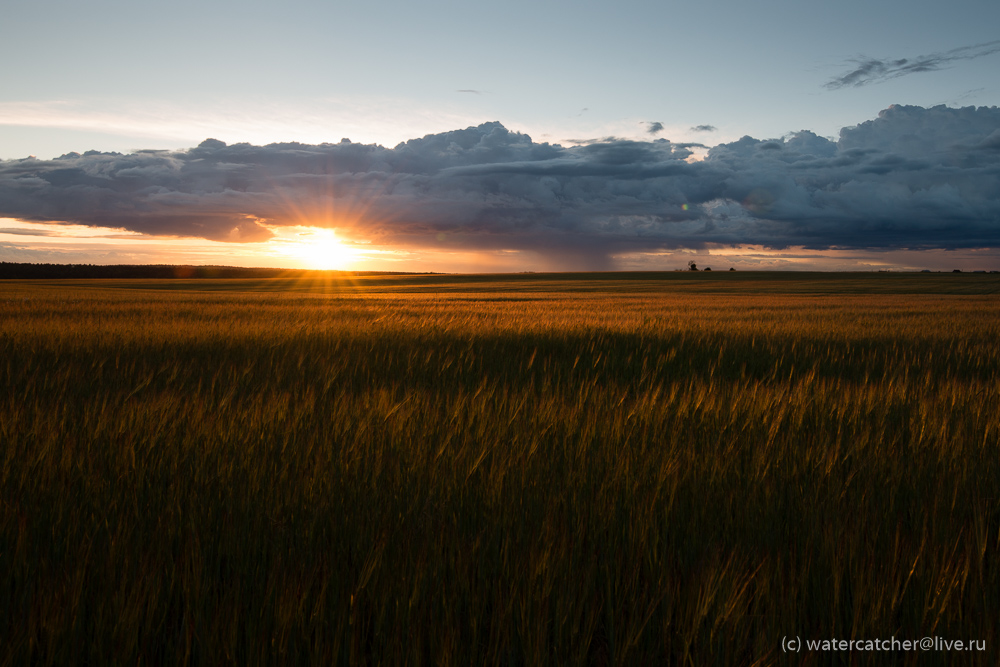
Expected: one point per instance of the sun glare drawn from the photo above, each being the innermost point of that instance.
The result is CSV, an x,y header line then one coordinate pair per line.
x,y
321,250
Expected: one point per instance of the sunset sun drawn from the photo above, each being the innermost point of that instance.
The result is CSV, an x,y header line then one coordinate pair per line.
x,y
321,249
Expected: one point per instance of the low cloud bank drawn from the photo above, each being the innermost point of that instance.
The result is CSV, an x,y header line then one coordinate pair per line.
x,y
911,178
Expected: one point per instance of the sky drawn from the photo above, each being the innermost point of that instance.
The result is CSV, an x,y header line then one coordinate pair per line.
x,y
519,136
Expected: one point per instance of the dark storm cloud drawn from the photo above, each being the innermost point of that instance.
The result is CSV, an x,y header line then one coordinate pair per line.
x,y
704,128
865,71
654,127
911,178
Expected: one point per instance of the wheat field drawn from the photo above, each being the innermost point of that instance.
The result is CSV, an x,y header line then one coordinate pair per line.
x,y
514,470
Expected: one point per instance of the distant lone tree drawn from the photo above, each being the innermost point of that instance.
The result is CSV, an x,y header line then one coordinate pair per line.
x,y
692,266
708,268
731,268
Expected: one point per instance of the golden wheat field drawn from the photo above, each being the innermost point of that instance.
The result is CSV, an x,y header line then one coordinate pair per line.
x,y
574,469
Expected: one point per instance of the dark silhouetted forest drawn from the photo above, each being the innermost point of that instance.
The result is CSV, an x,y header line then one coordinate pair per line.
x,y
13,270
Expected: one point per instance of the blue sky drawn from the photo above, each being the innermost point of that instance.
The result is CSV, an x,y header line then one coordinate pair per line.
x,y
123,76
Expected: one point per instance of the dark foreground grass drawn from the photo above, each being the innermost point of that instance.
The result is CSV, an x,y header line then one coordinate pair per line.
x,y
538,474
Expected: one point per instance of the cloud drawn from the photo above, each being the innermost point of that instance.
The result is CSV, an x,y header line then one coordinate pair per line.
x,y
471,91
866,71
704,128
654,127
911,178
27,232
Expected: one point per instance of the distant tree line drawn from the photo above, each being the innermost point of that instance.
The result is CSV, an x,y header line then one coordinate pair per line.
x,y
13,270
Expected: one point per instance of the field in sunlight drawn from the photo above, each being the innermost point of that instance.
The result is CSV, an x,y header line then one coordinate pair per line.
x,y
530,469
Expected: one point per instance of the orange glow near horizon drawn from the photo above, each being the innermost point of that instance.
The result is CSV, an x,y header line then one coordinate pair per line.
x,y
304,246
